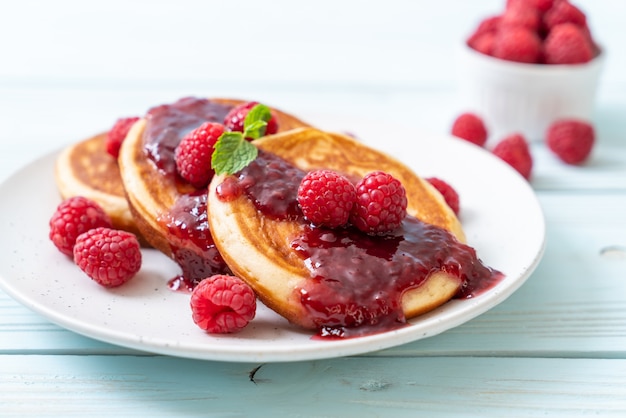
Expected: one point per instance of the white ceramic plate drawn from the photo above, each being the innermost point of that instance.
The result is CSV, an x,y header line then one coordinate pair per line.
x,y
500,214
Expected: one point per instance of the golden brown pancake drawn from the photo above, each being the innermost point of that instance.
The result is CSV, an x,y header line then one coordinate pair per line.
x,y
169,212
87,169
260,248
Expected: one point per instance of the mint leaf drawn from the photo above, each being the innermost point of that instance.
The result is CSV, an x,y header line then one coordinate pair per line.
x,y
256,121
232,153
255,130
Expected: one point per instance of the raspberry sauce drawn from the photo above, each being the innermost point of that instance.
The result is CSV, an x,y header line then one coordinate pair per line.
x,y
189,236
271,183
191,241
167,124
357,280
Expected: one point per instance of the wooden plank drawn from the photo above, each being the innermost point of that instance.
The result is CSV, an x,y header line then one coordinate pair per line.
x,y
434,387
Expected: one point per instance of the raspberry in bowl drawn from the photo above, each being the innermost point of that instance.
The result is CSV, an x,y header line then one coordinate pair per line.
x,y
535,62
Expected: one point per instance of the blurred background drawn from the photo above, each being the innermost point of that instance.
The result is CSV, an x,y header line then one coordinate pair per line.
x,y
394,60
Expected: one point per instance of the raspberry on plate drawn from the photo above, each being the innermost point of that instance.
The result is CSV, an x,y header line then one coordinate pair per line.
x,y
117,134
517,43
448,192
567,44
326,198
222,304
108,256
235,118
571,140
514,150
72,217
470,127
380,203
193,154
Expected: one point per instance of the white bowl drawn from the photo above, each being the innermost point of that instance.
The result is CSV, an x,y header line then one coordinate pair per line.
x,y
522,98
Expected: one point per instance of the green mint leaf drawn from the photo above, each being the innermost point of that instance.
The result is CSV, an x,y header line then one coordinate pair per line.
x,y
256,121
232,153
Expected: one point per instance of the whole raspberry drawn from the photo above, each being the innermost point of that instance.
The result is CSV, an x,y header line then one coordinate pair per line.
x,y
117,134
522,15
571,140
108,256
567,44
540,5
487,26
380,203
222,304
193,154
564,12
484,43
470,127
237,115
447,191
72,217
326,198
514,150
519,44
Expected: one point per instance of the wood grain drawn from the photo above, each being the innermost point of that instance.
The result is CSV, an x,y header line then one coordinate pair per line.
x,y
429,387
556,348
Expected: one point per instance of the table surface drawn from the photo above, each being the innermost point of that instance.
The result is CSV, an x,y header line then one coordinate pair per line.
x,y
557,347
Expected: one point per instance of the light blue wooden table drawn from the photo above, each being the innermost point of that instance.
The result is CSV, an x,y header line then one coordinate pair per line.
x,y
557,347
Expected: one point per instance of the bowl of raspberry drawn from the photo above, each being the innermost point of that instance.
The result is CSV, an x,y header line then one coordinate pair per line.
x,y
534,63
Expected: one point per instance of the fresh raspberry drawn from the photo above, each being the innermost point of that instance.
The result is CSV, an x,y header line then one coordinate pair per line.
x,y
514,150
193,154
326,198
540,5
72,217
571,140
448,193
380,203
484,43
567,44
522,15
564,12
519,44
237,115
222,304
110,257
117,134
470,127
487,26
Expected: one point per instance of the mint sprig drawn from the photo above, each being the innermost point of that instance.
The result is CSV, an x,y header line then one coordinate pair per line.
x,y
255,123
232,151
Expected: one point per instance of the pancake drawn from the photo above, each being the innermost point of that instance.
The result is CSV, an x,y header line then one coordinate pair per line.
x,y
266,249
170,213
86,169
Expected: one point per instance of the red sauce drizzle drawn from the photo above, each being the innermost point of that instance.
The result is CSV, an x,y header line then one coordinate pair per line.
x,y
167,124
270,183
189,236
357,280
191,242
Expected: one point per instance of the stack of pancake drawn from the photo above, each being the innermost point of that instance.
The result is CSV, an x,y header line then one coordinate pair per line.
x,y
139,190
